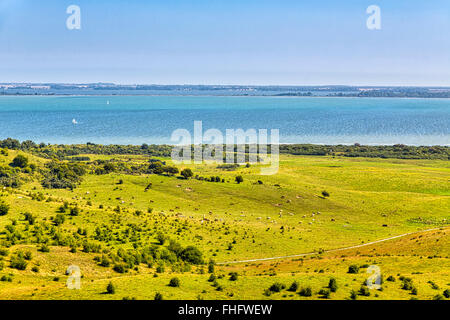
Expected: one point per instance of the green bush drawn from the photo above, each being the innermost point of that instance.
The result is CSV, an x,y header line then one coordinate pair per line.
x,y
20,161
390,278
325,293
18,262
158,296
353,269
306,292
407,284
364,291
332,285
212,278
120,268
293,287
174,282
110,288
192,255
59,219
75,211
277,287
233,276
44,248
187,173
4,209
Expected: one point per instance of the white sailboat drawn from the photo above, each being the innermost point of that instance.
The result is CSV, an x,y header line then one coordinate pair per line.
x,y
74,121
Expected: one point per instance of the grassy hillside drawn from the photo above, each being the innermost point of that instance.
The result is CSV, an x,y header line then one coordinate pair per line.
x,y
139,226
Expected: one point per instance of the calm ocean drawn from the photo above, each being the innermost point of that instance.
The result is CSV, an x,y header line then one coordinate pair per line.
x,y
151,119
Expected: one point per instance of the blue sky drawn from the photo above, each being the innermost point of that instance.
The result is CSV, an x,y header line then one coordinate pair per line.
x,y
226,42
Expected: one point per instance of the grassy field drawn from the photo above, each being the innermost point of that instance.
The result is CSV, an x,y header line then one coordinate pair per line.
x,y
283,214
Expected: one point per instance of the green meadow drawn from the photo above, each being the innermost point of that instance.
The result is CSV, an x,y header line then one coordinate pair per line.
x,y
133,229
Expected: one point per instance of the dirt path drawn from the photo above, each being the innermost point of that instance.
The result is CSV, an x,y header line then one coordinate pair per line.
x,y
331,250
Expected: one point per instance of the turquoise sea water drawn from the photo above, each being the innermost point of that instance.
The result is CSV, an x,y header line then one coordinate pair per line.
x,y
152,119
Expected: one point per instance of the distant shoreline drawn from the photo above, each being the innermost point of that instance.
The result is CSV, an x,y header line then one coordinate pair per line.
x,y
213,95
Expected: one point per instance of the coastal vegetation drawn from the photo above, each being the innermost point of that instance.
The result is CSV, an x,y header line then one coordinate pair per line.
x,y
141,227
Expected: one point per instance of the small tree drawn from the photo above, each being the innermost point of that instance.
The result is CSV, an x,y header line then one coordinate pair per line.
x,y
239,179
306,292
4,209
233,276
447,293
161,238
20,161
174,282
353,269
187,173
59,219
332,285
293,287
111,289
192,255
211,265
277,287
75,211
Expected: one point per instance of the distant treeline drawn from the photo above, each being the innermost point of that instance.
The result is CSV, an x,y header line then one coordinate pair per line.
x,y
398,151
381,93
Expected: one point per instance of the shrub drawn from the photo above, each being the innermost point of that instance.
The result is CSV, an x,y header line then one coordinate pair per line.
x,y
61,175
6,278
390,278
161,238
353,295
20,161
4,209
233,276
211,265
239,179
105,262
438,297
187,173
325,293
174,282
306,292
407,284
120,268
332,285
158,296
18,262
353,269
277,287
192,255
3,252
364,291
44,248
446,293
293,287
110,288
75,211
28,255
325,194
212,278
59,219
